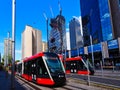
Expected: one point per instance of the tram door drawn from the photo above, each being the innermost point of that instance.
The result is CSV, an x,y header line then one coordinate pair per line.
x,y
73,67
34,71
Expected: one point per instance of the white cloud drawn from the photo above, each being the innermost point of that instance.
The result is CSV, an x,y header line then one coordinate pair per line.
x,y
18,51
106,15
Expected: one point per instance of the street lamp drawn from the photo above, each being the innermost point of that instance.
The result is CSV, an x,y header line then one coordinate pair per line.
x,y
8,41
102,48
13,45
91,11
92,51
47,29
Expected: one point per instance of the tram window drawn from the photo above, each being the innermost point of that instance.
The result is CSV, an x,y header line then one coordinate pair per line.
x,y
33,67
29,67
19,67
67,65
42,71
25,67
81,65
54,65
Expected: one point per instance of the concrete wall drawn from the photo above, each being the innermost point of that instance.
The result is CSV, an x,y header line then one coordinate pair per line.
x,y
31,42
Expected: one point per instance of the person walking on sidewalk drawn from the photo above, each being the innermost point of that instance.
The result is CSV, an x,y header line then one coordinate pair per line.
x,y
6,70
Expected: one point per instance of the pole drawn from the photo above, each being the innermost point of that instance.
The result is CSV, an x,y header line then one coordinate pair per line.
x,y
102,53
8,47
87,66
101,68
13,46
92,51
5,61
88,73
47,34
47,29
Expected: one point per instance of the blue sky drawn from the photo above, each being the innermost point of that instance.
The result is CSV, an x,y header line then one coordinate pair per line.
x,y
30,12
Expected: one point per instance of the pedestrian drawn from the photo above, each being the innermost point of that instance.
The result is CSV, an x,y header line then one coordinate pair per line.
x,y
98,65
6,70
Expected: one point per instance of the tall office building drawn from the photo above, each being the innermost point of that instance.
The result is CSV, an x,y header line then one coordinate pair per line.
x,y
76,34
57,39
100,19
91,21
68,40
31,41
109,16
7,50
44,46
68,54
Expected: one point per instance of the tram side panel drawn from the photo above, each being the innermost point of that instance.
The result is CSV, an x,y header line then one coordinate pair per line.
x,y
75,65
44,70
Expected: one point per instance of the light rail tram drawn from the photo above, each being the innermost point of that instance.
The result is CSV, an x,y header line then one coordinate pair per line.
x,y
44,68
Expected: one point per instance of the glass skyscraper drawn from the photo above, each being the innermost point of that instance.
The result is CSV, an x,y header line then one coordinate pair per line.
x,y
91,21
57,39
100,19
105,20
76,34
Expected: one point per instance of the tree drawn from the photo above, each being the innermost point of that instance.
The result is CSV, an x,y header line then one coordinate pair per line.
x,y
9,59
17,61
3,60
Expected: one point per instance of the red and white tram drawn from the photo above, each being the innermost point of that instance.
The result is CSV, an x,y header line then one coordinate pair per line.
x,y
77,65
44,68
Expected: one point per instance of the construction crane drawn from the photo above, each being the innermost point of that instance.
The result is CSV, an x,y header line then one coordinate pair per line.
x,y
51,11
60,9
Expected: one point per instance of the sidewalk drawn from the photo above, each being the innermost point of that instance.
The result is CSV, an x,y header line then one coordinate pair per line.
x,y
108,73
5,82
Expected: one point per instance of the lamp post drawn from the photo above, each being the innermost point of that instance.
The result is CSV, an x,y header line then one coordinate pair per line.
x,y
91,11
8,41
13,45
47,29
47,33
102,48
92,51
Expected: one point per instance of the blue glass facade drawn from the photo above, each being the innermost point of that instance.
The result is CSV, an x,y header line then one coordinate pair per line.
x,y
91,21
105,20
97,21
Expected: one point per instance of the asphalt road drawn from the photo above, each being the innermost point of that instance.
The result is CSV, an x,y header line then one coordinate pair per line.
x,y
114,82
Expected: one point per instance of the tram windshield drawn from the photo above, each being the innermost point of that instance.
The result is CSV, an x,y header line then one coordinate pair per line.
x,y
54,64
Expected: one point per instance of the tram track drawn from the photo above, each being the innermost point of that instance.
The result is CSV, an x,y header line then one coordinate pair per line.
x,y
33,86
28,83
71,84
